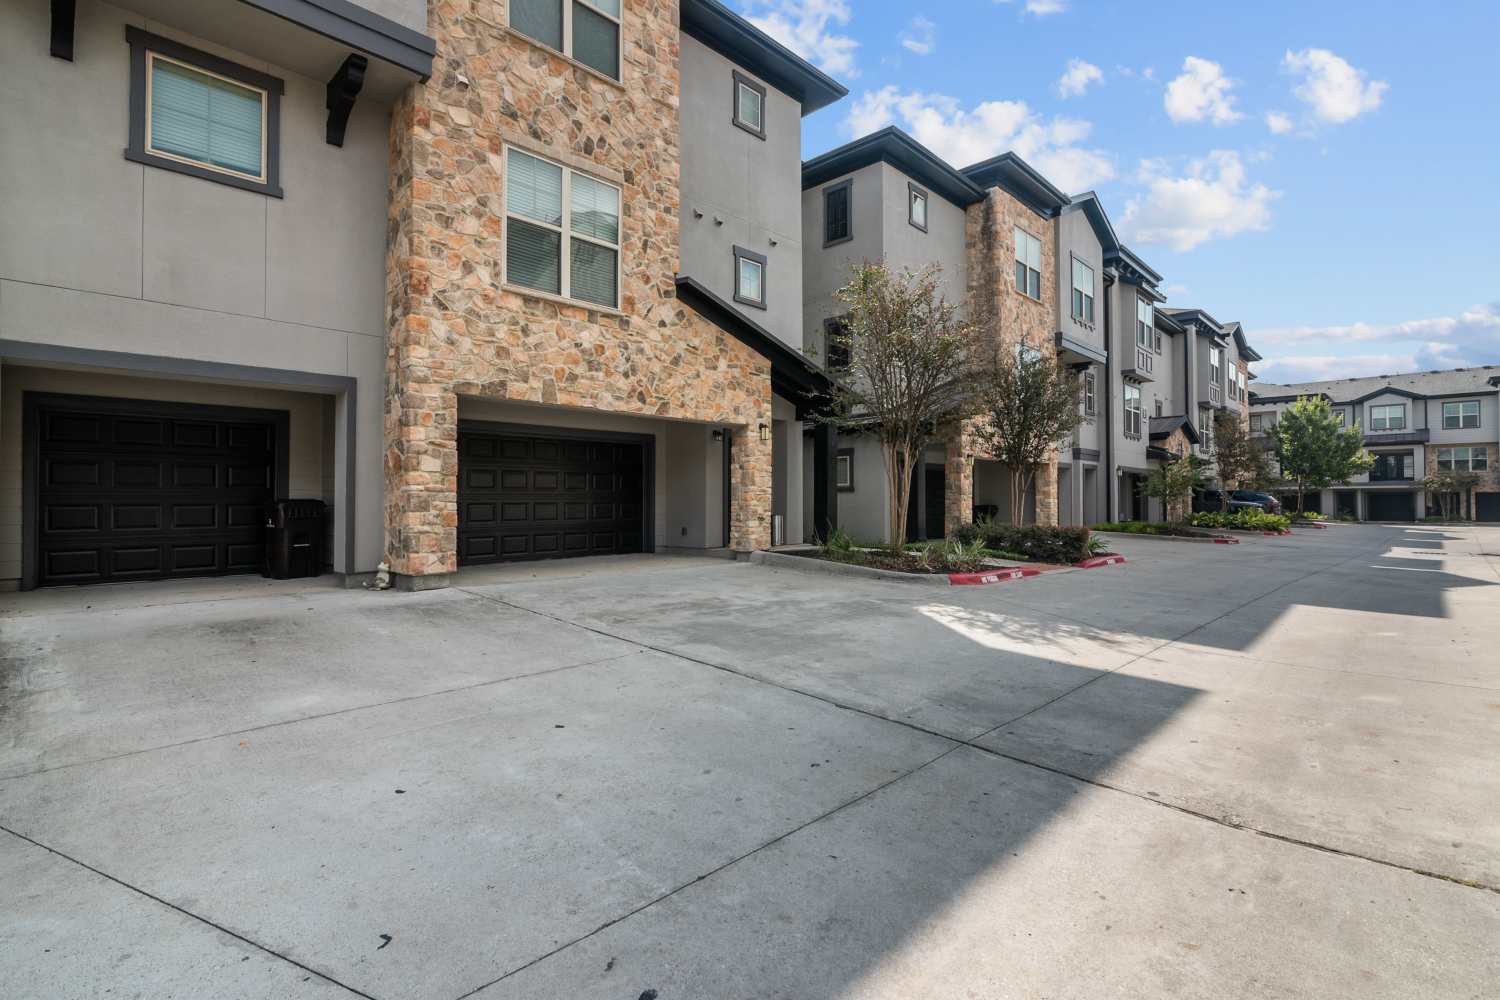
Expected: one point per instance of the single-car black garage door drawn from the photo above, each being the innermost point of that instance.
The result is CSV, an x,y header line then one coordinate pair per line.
x,y
1398,506
1487,506
541,495
125,490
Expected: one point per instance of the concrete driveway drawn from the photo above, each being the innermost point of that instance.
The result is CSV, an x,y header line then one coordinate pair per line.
x,y
1264,770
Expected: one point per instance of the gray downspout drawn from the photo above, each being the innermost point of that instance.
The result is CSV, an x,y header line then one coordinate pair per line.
x,y
1111,362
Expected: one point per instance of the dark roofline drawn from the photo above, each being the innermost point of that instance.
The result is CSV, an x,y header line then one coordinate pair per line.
x,y
793,376
1256,397
1014,175
1197,316
352,25
1131,259
1162,428
1089,204
741,42
1167,321
1384,390
893,146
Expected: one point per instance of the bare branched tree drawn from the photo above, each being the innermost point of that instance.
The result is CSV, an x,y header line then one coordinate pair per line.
x,y
911,365
1029,402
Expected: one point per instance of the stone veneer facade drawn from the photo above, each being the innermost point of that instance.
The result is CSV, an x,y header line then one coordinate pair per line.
x,y
455,330
1007,317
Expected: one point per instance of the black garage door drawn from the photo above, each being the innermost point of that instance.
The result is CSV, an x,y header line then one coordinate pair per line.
x,y
1487,506
1390,506
131,491
533,496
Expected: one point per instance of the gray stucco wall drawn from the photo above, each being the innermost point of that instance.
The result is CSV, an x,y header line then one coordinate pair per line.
x,y
905,246
101,253
738,189
410,13
826,269
1076,238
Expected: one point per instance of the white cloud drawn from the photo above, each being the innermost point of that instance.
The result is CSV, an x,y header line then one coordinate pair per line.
x,y
1201,93
808,28
1077,77
1472,337
1149,73
1213,199
1279,122
1041,8
1335,91
1171,290
963,136
920,36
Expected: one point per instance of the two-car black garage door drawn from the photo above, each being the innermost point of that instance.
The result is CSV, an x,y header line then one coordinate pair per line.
x,y
1390,506
539,495
124,490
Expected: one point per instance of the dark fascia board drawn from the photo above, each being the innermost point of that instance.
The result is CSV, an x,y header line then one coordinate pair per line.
x,y
1260,400
1162,428
358,28
743,44
1495,380
1385,390
1095,354
1014,175
1093,209
1168,322
788,367
1132,268
893,146
1207,324
1241,344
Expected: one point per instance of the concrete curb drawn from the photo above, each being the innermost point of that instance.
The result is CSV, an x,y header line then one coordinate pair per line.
x,y
1215,540
803,564
997,575
1094,562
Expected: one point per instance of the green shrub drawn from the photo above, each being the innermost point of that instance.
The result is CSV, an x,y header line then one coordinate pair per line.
x,y
1247,519
1307,515
1041,543
1151,528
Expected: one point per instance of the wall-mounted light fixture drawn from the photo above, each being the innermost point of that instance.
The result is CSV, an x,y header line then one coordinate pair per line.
x,y
718,436
765,433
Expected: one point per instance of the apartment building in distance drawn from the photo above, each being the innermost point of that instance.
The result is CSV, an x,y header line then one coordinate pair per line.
x,y
1415,425
1035,266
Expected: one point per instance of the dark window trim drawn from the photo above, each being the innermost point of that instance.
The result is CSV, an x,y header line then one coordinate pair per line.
x,y
1090,394
759,88
765,275
1478,415
911,190
849,454
1370,416
1093,290
847,184
142,42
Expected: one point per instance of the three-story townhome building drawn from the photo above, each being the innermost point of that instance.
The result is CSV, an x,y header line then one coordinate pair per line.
x,y
495,281
1414,426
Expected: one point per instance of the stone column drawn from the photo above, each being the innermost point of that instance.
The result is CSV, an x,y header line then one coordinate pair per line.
x,y
750,489
1046,491
958,481
421,468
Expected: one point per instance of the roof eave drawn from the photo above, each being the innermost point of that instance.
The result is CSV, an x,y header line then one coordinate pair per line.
x,y
735,38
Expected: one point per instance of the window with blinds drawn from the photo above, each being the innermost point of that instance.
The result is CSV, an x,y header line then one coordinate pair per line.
x,y
207,119
548,205
1028,264
587,31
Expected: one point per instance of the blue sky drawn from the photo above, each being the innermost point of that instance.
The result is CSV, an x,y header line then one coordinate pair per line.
x,y
1324,172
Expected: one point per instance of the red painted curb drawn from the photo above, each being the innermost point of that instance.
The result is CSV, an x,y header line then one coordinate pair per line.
x,y
1226,541
1276,533
997,575
1094,562
1314,524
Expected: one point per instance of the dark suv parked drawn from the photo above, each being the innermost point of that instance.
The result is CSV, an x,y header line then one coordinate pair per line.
x,y
1212,501
1265,501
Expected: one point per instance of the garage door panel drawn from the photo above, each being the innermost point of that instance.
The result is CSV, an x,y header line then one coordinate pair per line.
x,y
1487,507
142,495
518,490
1390,506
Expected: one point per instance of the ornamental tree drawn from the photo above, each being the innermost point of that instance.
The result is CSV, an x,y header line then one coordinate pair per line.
x,y
1314,450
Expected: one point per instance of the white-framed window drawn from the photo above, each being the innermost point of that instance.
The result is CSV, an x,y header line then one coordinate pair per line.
x,y
1156,410
1461,416
562,230
916,206
196,113
1090,393
1469,459
1145,324
1216,365
1132,399
1340,416
749,105
1028,264
1083,291
1206,428
585,30
1388,417
1257,423
749,278
844,470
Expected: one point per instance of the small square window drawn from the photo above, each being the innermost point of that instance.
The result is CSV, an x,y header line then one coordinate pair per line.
x,y
844,471
749,105
586,31
198,114
749,278
916,207
1090,394
837,346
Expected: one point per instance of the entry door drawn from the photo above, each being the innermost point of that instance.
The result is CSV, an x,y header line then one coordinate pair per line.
x,y
529,495
139,491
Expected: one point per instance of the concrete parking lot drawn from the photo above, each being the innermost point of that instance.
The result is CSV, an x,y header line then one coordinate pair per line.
x,y
1263,770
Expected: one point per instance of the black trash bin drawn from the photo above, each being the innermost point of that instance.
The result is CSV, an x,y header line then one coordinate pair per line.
x,y
294,539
